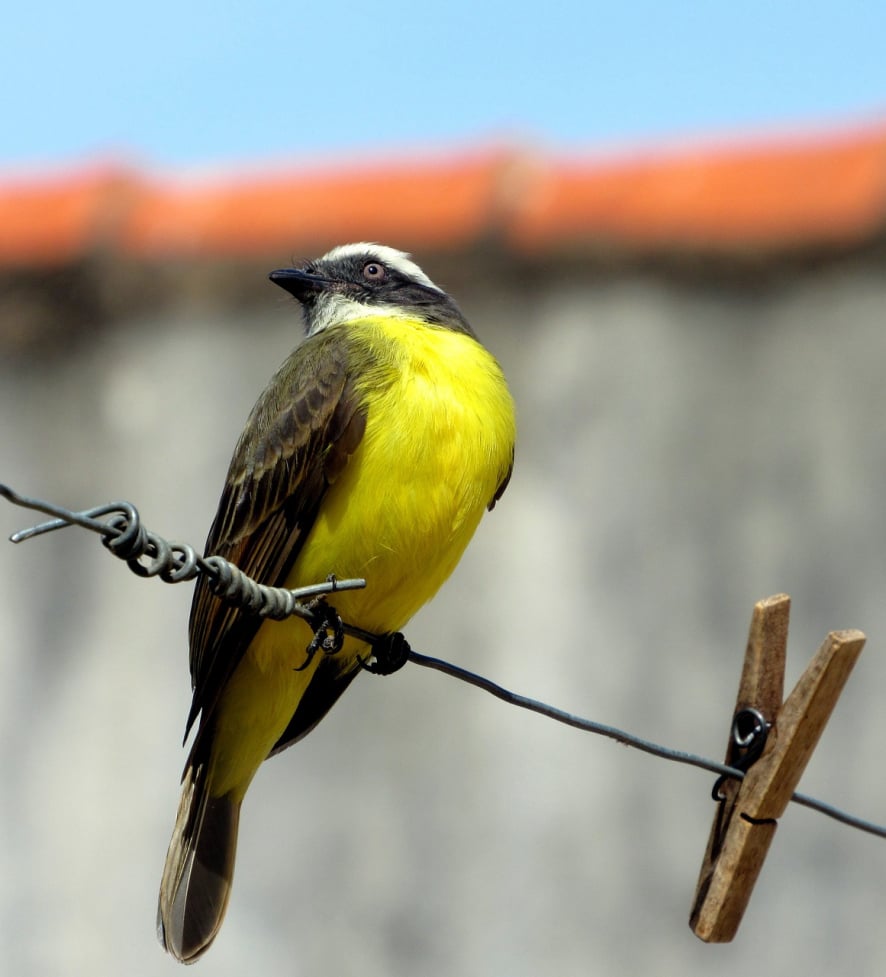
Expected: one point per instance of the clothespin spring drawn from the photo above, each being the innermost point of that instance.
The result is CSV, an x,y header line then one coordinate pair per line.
x,y
749,731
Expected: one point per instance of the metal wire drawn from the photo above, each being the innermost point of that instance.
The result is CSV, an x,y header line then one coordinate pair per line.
x,y
629,739
128,539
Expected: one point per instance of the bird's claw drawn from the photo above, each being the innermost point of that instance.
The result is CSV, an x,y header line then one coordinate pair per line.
x,y
329,634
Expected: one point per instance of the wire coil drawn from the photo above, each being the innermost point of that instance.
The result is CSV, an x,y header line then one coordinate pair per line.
x,y
148,554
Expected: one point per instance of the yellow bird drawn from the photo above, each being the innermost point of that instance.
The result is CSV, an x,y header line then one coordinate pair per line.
x,y
373,452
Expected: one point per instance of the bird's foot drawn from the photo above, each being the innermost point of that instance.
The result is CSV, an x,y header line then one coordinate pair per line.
x,y
390,652
329,633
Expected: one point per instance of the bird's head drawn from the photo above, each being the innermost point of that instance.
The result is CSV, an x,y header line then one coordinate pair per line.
x,y
358,280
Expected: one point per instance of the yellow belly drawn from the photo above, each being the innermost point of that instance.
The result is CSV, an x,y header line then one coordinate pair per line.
x,y
438,442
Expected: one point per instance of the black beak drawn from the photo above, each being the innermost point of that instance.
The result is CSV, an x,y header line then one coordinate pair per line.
x,y
302,284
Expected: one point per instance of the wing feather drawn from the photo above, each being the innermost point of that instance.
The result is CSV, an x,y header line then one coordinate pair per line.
x,y
299,436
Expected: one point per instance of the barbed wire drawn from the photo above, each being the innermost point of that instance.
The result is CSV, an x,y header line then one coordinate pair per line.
x,y
125,536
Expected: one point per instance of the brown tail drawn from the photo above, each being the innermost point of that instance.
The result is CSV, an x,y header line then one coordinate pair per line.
x,y
199,869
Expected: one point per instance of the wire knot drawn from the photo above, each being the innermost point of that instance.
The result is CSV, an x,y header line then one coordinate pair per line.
x,y
231,584
131,541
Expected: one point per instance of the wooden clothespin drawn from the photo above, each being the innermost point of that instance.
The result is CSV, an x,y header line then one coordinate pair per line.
x,y
749,809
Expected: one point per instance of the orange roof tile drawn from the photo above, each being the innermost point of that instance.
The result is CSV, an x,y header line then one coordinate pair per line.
x,y
827,189
57,218
438,204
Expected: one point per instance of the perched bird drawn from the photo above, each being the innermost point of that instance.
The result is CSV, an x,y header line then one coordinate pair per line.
x,y
373,452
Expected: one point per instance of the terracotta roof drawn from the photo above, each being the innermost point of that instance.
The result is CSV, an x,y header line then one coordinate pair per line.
x,y
828,189
823,189
437,203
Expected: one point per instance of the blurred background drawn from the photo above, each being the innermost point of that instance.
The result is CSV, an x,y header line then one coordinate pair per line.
x,y
667,221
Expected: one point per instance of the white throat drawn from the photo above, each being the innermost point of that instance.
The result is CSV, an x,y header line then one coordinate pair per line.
x,y
332,310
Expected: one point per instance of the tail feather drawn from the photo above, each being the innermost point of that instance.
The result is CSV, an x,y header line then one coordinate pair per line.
x,y
199,869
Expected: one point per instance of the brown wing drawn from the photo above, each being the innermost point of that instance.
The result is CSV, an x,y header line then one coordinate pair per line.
x,y
297,439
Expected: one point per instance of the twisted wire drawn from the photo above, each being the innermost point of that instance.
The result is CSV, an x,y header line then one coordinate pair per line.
x,y
148,554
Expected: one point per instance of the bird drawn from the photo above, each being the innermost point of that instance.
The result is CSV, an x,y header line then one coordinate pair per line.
x,y
373,452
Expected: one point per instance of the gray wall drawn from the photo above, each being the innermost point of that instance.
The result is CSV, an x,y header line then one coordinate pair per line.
x,y
686,448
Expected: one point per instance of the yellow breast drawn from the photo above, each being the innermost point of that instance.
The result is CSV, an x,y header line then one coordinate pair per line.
x,y
439,441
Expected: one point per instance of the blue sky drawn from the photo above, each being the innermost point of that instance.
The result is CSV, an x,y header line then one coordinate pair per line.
x,y
189,84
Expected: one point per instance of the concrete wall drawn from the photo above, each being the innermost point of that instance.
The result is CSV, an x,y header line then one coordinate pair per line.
x,y
687,446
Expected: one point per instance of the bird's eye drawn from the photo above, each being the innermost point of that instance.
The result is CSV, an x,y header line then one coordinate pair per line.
x,y
374,271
